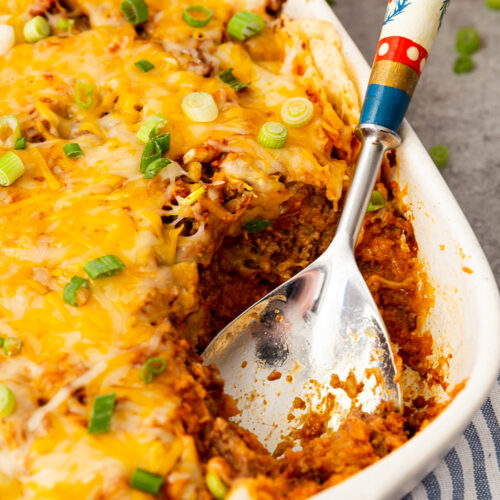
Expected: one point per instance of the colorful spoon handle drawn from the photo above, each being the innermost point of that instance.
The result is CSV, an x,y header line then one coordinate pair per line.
x,y
410,27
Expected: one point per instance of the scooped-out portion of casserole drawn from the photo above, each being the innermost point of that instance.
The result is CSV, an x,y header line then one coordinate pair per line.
x,y
164,164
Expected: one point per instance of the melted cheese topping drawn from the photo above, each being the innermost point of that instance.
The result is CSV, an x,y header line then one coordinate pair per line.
x,y
63,213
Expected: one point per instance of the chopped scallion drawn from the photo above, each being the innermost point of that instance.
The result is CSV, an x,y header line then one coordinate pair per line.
x,y
11,168
257,225
151,127
102,411
273,135
154,168
192,198
197,16
84,95
493,4
71,290
200,107
12,346
216,486
439,154
377,201
227,77
151,153
146,481
163,140
467,41
144,65
136,11
7,401
20,143
463,64
297,112
104,267
64,24
245,24
73,150
152,367
36,29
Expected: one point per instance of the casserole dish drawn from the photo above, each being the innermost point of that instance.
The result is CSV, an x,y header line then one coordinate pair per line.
x,y
465,319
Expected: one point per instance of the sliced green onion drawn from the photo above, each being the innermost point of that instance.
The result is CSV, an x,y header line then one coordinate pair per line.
x,y
152,367
20,143
7,401
11,168
154,168
245,24
65,24
216,486
73,150
71,289
163,140
198,21
102,411
467,41
144,65
36,29
200,107
84,95
463,64
377,201
297,112
103,267
10,130
273,135
493,4
12,346
151,153
439,155
146,481
151,127
2,340
192,198
227,77
257,225
136,11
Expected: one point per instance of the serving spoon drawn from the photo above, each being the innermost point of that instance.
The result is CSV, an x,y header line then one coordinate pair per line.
x,y
317,345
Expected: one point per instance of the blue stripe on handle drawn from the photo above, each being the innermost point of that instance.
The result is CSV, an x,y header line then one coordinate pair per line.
x,y
384,106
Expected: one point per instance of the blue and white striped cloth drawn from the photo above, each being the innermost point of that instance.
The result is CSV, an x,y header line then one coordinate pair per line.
x,y
471,470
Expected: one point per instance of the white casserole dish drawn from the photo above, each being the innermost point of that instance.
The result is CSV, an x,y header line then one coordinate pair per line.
x,y
465,318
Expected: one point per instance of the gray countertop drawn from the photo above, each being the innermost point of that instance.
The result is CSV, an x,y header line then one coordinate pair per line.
x,y
460,111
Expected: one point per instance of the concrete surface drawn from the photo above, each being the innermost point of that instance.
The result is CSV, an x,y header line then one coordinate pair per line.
x,y
460,111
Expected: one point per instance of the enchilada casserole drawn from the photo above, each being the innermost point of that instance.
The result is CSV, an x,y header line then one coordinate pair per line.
x,y
164,165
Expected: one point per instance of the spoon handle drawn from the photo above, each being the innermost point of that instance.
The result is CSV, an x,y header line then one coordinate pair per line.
x,y
409,30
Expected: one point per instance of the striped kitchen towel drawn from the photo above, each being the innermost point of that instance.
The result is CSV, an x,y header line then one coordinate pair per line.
x,y
471,470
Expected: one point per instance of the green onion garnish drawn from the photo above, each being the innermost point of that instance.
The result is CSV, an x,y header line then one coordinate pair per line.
x,y
20,143
154,168
11,168
7,401
257,225
467,41
102,411
197,21
151,153
297,112
151,127
439,155
377,201
144,65
36,29
64,24
227,77
84,95
73,150
136,11
192,198
273,135
146,481
10,130
216,486
71,289
163,140
200,107
12,346
245,24
152,367
463,64
103,267
2,340
493,4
